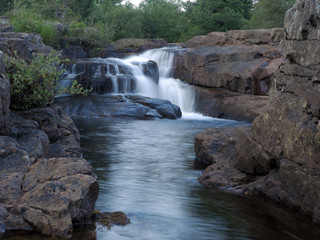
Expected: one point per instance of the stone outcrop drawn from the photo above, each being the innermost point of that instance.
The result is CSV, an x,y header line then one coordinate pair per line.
x,y
126,106
271,37
25,44
281,152
240,61
44,184
221,103
4,98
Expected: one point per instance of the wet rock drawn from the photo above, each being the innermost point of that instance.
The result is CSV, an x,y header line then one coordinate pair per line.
x,y
108,219
151,70
119,106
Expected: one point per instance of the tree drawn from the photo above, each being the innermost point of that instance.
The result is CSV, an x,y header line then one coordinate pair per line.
x,y
269,13
217,15
161,19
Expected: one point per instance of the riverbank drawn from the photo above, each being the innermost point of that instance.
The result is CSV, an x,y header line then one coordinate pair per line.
x,y
278,156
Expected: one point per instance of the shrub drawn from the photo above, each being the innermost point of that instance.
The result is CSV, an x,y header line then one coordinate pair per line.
x,y
34,83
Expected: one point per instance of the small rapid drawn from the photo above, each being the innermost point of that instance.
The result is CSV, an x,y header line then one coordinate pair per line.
x,y
127,76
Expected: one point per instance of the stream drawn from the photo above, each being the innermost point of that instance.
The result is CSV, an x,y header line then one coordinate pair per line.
x,y
147,169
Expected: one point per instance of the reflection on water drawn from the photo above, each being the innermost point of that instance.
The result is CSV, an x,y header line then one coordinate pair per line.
x,y
147,170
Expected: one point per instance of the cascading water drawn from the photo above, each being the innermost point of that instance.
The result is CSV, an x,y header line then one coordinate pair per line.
x,y
128,76
169,88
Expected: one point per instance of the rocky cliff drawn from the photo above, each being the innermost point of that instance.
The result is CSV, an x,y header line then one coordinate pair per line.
x,y
239,60
280,154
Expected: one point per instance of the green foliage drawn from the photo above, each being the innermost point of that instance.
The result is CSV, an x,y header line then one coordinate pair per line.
x,y
5,5
205,16
34,83
162,19
77,89
26,20
269,13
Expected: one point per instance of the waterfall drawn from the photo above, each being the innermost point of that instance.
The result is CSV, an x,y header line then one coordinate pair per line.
x,y
178,92
125,76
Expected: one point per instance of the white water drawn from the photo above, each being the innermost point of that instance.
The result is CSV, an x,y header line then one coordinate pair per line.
x,y
168,88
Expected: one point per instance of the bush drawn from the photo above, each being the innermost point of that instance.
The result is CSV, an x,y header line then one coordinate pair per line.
x,y
34,83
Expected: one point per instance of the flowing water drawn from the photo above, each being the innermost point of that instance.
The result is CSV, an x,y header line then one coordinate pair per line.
x,y
147,169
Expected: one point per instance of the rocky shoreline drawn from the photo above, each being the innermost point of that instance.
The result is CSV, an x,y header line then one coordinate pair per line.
x,y
279,156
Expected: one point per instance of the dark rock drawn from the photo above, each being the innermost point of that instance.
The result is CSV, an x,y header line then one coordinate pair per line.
x,y
5,25
243,69
216,146
14,164
151,70
222,103
119,106
102,75
74,52
34,142
25,44
4,99
58,126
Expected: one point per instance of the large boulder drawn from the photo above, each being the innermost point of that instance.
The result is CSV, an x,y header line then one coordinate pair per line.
x,y
239,68
126,106
24,44
221,103
4,98
281,152
62,135
37,192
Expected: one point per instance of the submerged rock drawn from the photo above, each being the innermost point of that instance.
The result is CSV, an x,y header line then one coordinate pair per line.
x,y
130,106
280,154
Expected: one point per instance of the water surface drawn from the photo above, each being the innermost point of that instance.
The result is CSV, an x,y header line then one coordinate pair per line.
x,y
147,169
